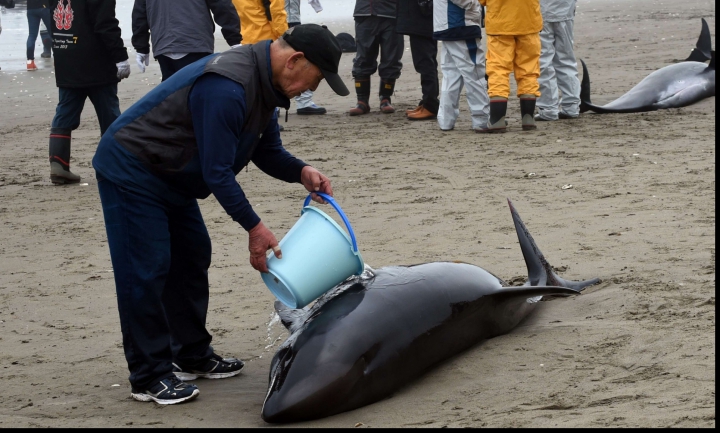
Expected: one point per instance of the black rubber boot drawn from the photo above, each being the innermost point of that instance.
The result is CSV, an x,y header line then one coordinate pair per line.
x,y
387,87
60,157
497,123
362,89
527,111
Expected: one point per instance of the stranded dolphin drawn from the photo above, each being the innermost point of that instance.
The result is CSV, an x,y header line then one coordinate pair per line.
x,y
672,86
376,332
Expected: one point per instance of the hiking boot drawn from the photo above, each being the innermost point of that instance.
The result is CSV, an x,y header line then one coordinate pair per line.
x,y
313,109
362,107
422,114
216,367
31,65
168,391
386,107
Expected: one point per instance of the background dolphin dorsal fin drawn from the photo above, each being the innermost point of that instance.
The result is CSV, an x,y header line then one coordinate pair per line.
x,y
703,48
291,318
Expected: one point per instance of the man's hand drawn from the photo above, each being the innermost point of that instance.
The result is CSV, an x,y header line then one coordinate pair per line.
x,y
314,181
123,69
260,241
142,61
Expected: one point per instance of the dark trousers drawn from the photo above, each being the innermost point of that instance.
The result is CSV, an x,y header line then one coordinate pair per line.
x,y
33,17
424,55
160,255
375,35
169,66
72,100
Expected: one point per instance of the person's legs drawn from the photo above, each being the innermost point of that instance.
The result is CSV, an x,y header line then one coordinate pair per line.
x,y
33,18
566,69
46,35
452,84
547,103
470,60
169,66
527,71
67,118
365,61
140,249
424,55
106,103
391,51
305,104
500,54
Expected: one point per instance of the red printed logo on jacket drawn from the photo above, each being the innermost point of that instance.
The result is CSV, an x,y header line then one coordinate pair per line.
x,y
63,16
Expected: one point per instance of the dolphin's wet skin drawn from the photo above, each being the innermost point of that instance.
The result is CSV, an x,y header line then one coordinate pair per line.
x,y
376,332
673,86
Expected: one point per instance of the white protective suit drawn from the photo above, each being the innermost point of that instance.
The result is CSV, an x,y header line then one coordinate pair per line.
x,y
292,8
558,67
462,63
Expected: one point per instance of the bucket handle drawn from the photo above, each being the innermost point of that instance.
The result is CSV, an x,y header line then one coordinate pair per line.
x,y
334,204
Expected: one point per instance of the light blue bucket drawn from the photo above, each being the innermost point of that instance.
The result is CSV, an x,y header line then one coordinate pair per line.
x,y
317,255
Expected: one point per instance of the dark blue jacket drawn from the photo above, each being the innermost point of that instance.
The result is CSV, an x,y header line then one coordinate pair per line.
x,y
192,134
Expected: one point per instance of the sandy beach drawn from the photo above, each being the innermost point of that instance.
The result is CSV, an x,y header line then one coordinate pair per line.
x,y
637,350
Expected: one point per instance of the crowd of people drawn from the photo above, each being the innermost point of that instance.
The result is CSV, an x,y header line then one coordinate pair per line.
x,y
214,113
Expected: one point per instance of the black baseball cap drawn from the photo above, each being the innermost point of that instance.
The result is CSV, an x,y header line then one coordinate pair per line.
x,y
321,49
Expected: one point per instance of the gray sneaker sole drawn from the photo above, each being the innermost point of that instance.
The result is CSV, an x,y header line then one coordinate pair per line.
x,y
141,396
185,376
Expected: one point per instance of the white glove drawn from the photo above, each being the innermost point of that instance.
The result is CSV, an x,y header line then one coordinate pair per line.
x,y
316,5
123,69
142,61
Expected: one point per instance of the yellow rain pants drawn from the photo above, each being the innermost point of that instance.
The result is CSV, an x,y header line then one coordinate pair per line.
x,y
513,53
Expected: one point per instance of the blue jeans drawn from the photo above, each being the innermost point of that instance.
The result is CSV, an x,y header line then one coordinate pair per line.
x,y
34,16
160,255
72,101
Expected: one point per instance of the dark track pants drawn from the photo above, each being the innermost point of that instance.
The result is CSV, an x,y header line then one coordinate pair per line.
x,y
424,55
72,101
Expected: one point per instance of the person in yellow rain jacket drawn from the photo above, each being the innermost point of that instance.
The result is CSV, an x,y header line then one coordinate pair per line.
x,y
513,45
261,19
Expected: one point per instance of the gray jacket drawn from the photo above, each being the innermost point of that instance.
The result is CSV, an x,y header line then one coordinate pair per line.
x,y
183,26
380,8
557,10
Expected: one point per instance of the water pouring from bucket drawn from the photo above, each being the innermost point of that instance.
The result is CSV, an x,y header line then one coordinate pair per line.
x,y
317,255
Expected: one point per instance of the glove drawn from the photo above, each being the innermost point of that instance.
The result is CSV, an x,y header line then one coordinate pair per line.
x,y
316,5
142,61
236,45
123,69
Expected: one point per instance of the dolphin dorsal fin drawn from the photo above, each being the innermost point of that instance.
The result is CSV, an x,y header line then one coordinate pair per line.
x,y
703,47
291,318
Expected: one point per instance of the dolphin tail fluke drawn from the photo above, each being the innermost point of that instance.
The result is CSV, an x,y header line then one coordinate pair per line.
x,y
703,47
585,90
540,272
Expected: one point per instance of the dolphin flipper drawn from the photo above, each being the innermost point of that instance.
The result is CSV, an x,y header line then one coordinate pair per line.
x,y
540,272
703,47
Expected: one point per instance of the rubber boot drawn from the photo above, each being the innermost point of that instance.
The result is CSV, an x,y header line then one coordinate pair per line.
x,y
387,87
362,89
527,111
497,123
60,157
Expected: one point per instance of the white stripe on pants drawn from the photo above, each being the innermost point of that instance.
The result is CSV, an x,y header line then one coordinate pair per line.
x,y
558,70
459,70
304,99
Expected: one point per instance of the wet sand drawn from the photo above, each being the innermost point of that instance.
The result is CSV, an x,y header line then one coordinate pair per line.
x,y
637,350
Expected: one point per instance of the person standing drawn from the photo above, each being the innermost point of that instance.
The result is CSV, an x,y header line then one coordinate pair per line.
x,y
415,18
305,104
221,112
558,68
6,4
37,10
90,61
182,31
375,23
457,23
513,46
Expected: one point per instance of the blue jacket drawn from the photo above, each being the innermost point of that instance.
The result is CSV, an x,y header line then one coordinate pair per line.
x,y
191,135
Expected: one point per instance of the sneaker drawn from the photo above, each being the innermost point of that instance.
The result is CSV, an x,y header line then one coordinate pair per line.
x,y
564,115
216,367
31,65
168,391
313,109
